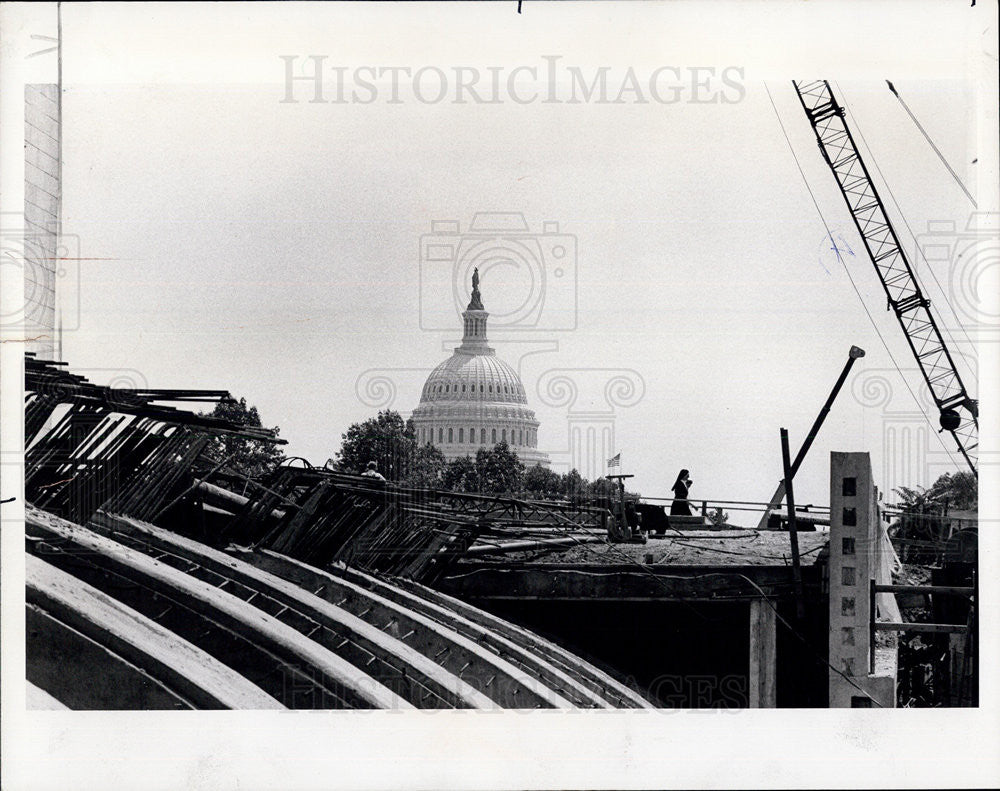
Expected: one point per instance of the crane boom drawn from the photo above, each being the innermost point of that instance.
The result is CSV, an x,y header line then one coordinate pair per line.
x,y
959,412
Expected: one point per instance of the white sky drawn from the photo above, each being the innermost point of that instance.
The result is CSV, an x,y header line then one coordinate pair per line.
x,y
273,249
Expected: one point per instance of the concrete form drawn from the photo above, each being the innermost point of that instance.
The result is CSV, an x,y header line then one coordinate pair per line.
x,y
693,605
862,674
711,567
284,633
722,573
749,563
133,657
42,198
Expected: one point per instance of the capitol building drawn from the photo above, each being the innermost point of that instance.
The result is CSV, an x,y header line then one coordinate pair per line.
x,y
474,399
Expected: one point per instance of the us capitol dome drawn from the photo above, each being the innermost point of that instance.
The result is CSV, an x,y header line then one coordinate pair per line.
x,y
474,399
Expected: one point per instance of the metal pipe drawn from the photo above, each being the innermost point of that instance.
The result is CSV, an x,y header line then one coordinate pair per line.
x,y
928,589
713,501
192,487
227,500
933,628
793,533
855,353
522,546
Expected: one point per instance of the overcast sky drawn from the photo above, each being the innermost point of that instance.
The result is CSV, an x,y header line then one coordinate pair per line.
x,y
233,240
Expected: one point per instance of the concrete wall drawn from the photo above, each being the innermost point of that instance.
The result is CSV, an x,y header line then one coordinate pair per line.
x,y
859,555
42,197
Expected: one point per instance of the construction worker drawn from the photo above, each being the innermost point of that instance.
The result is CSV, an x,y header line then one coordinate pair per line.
x,y
372,472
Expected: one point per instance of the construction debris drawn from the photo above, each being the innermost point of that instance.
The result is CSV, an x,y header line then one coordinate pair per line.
x,y
167,621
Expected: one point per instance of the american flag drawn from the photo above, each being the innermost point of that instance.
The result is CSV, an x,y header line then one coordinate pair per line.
x,y
615,461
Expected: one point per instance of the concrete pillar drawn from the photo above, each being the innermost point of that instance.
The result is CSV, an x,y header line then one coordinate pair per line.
x,y
42,197
762,655
856,538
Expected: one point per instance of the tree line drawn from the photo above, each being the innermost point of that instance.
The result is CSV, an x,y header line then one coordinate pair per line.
x,y
391,443
923,514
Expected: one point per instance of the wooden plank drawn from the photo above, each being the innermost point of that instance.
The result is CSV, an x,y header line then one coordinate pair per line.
x,y
928,589
935,628
763,652
87,676
467,640
519,546
299,523
552,652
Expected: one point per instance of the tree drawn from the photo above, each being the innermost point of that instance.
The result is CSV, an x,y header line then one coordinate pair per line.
x,y
959,491
921,512
499,470
601,487
573,484
914,517
912,499
461,475
541,482
385,439
426,468
249,457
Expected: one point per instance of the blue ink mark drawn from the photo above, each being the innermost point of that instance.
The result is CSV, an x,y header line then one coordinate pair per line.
x,y
839,245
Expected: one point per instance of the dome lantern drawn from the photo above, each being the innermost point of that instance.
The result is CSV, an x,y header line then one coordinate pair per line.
x,y
474,337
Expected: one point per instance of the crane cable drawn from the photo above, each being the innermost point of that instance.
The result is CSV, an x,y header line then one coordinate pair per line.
x,y
899,210
855,286
930,142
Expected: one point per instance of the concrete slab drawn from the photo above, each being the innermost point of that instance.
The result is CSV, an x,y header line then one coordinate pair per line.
x,y
699,548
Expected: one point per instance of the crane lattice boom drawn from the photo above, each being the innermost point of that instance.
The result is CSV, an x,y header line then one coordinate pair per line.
x,y
959,412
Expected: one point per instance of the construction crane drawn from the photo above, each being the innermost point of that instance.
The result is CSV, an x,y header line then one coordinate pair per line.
x,y
959,412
